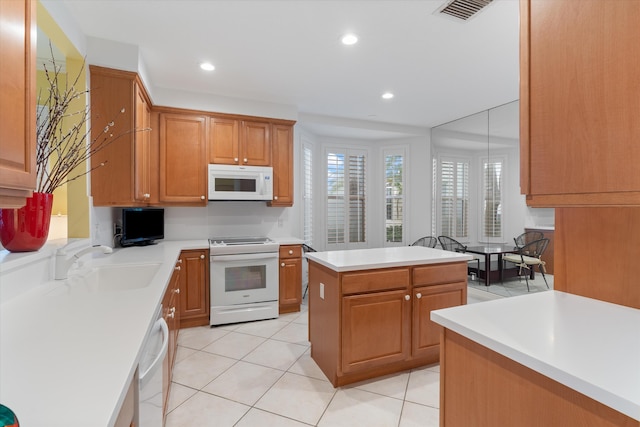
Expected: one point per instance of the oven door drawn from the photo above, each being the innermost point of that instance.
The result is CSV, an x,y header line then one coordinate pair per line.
x,y
244,278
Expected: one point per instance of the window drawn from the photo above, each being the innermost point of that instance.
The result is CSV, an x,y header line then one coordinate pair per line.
x,y
307,194
394,196
454,198
346,197
492,173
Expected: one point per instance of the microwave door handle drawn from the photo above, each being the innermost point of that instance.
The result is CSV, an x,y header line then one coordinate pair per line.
x,y
244,257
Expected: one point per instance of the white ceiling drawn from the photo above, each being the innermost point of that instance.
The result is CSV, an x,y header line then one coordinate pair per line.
x,y
289,52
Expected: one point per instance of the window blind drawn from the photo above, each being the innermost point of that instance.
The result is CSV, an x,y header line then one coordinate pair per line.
x,y
454,198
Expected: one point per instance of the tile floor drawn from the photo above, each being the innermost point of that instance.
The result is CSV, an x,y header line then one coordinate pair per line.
x,y
261,374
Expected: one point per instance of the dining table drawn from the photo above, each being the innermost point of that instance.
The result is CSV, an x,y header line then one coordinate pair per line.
x,y
489,250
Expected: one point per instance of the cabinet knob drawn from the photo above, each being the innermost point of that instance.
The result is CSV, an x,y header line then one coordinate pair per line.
x,y
171,315
290,251
177,291
235,159
147,195
173,310
202,256
177,268
180,260
202,197
407,297
245,160
418,295
282,264
275,197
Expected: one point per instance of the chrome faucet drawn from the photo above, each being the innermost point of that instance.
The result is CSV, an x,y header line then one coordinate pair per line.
x,y
64,263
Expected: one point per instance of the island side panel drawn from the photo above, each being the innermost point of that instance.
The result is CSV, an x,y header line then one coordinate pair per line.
x,y
324,319
496,391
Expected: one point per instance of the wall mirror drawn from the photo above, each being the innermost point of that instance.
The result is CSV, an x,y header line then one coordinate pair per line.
x,y
476,170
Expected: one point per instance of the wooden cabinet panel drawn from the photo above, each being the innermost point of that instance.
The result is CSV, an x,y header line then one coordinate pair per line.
x,y
426,334
183,159
290,278
375,329
171,315
282,162
255,144
438,273
579,103
375,280
18,102
224,141
126,172
194,288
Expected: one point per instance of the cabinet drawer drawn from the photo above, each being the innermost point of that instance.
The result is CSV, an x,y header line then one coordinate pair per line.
x,y
375,280
442,273
291,251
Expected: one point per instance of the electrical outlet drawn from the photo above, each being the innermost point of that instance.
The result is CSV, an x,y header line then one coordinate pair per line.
x,y
321,290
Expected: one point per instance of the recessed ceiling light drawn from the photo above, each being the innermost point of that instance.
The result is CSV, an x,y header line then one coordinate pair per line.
x,y
387,95
207,66
349,39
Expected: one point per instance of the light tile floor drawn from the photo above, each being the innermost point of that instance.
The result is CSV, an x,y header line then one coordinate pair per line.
x,y
261,374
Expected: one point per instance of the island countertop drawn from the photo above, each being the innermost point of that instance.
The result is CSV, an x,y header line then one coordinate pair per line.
x,y
588,345
368,259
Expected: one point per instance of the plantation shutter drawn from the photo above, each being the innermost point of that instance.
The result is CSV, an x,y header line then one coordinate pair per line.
x,y
307,164
492,198
454,198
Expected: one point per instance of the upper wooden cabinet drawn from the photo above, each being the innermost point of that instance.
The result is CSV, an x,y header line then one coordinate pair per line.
x,y
579,103
239,142
18,102
282,150
183,165
126,174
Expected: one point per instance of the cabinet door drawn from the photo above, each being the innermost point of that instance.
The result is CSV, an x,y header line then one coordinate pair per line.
x,y
169,314
183,159
255,144
18,102
426,334
223,141
579,103
375,329
142,148
290,295
194,288
282,162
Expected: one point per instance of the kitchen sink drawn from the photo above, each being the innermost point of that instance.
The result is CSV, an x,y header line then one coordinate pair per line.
x,y
107,278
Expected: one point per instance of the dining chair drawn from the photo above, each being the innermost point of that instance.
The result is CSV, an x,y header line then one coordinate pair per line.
x,y
450,244
526,237
428,241
528,257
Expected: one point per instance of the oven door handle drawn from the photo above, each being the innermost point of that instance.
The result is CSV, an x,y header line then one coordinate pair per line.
x,y
244,257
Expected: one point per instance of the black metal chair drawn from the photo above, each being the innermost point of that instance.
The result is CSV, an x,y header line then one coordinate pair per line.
x,y
526,237
449,244
429,242
306,248
528,257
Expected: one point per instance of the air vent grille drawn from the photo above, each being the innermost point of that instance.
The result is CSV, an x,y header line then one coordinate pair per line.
x,y
464,9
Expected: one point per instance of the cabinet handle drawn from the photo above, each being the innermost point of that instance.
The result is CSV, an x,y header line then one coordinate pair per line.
x,y
407,297
173,310
202,197
418,295
147,195
290,251
177,267
180,260
282,264
171,315
202,256
235,159
177,291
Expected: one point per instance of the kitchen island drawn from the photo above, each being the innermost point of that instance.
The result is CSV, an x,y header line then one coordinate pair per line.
x,y
369,308
545,359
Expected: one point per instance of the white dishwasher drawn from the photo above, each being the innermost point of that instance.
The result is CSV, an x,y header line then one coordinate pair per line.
x,y
150,373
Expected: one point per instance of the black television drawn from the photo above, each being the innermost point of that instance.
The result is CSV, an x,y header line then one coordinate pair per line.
x,y
142,226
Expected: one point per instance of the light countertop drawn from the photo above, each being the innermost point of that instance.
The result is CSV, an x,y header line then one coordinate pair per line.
x,y
66,358
588,345
400,256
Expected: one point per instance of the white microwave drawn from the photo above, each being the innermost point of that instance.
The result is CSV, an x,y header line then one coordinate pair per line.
x,y
230,182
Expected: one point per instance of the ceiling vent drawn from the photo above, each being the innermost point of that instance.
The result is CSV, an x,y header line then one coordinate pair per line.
x,y
464,9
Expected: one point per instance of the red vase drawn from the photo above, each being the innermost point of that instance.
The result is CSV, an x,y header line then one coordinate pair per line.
x,y
26,229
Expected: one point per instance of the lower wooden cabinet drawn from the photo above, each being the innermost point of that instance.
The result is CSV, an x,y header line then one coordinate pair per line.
x,y
364,324
171,315
194,288
290,277
127,415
